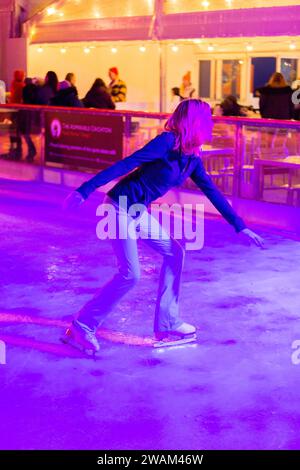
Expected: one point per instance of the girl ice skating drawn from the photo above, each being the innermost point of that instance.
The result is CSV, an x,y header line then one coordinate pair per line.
x,y
164,162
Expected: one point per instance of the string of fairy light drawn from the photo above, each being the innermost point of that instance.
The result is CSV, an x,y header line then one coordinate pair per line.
x,y
55,12
174,48
85,49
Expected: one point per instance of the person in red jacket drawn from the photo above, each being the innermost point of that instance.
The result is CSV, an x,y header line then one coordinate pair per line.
x,y
17,85
16,97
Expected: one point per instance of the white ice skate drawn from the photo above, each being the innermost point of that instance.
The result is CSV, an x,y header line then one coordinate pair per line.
x,y
81,338
184,334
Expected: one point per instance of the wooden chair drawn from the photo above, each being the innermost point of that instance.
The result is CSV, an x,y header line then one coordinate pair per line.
x,y
273,144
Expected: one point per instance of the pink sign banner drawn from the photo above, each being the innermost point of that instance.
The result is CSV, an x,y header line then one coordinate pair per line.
x,y
83,140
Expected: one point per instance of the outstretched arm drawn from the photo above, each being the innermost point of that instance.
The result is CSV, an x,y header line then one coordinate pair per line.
x,y
205,183
155,149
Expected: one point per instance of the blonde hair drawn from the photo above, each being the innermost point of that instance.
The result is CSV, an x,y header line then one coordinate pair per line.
x,y
191,123
277,80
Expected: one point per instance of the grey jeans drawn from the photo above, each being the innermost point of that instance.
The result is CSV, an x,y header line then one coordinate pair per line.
x,y
125,248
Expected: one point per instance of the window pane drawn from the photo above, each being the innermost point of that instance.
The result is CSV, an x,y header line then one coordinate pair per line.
x,y
231,78
288,68
204,78
262,69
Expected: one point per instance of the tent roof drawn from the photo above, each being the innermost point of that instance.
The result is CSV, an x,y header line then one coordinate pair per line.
x,y
103,20
69,10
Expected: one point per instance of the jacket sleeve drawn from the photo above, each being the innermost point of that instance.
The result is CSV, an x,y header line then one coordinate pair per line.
x,y
122,92
109,101
157,148
291,106
262,104
205,183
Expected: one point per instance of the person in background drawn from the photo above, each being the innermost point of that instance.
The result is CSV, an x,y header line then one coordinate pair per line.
x,y
17,86
296,99
30,119
2,92
117,88
175,99
67,95
187,90
296,84
30,91
16,97
275,100
49,89
71,78
230,107
98,96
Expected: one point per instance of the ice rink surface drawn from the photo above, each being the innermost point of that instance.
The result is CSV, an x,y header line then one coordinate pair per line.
x,y
237,388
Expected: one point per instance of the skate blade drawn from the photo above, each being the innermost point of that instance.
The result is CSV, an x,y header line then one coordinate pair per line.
x,y
175,342
79,347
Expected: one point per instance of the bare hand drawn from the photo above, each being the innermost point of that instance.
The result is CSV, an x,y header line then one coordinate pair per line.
x,y
253,237
73,201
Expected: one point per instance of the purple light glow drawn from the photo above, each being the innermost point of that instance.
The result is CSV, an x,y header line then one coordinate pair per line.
x,y
236,389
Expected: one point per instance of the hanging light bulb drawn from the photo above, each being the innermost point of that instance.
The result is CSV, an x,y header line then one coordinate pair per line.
x,y
50,11
142,48
175,48
32,32
205,3
229,3
40,49
63,50
86,50
114,50
249,47
210,48
292,46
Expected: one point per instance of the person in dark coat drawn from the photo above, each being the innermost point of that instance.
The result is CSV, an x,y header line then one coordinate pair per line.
x,y
30,120
30,91
49,89
231,107
67,95
98,96
276,99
